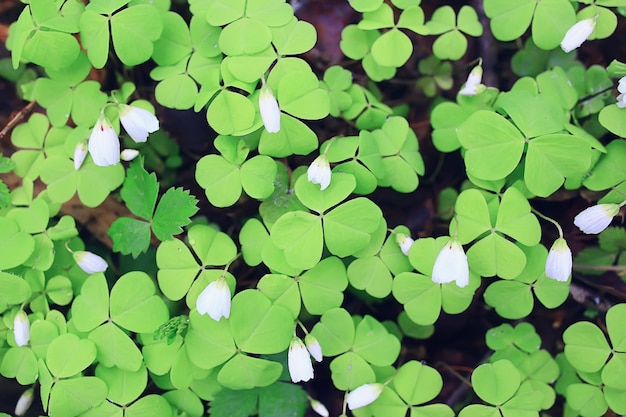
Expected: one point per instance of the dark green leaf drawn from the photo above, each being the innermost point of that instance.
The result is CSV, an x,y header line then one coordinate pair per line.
x,y
229,403
140,190
130,236
173,212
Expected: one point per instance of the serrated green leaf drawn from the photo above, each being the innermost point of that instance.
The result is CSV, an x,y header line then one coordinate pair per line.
x,y
173,212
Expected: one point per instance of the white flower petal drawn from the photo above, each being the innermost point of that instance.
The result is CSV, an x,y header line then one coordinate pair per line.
x,y
299,361
319,172
578,34
559,262
104,146
364,395
90,262
138,122
595,219
21,328
270,112
451,265
215,300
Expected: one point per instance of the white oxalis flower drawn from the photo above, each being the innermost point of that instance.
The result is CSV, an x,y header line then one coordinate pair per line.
x,y
364,395
270,112
80,153
104,145
319,172
578,34
138,122
451,265
473,84
24,402
559,262
314,347
596,218
214,300
405,243
129,154
21,328
90,262
299,361
319,408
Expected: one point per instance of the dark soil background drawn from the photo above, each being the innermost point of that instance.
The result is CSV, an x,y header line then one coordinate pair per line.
x,y
457,346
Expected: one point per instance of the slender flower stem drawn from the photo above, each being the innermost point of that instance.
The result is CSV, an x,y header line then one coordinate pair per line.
x,y
546,218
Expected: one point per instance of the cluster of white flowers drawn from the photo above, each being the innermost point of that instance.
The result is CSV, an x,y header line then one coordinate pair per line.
x,y
578,34
214,300
104,145
299,357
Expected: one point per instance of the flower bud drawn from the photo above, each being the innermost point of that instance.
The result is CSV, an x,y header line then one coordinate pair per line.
x,y
473,84
24,402
80,153
314,347
270,112
21,328
129,154
405,243
90,262
319,408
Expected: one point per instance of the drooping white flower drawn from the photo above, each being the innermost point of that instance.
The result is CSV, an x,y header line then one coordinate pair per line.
x,y
299,361
129,154
24,402
90,262
595,219
473,84
319,172
80,153
270,112
578,34
138,122
364,395
314,347
214,300
21,328
621,98
405,243
104,146
319,408
451,265
559,262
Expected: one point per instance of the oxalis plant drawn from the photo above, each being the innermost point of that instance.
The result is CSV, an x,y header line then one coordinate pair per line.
x,y
268,271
